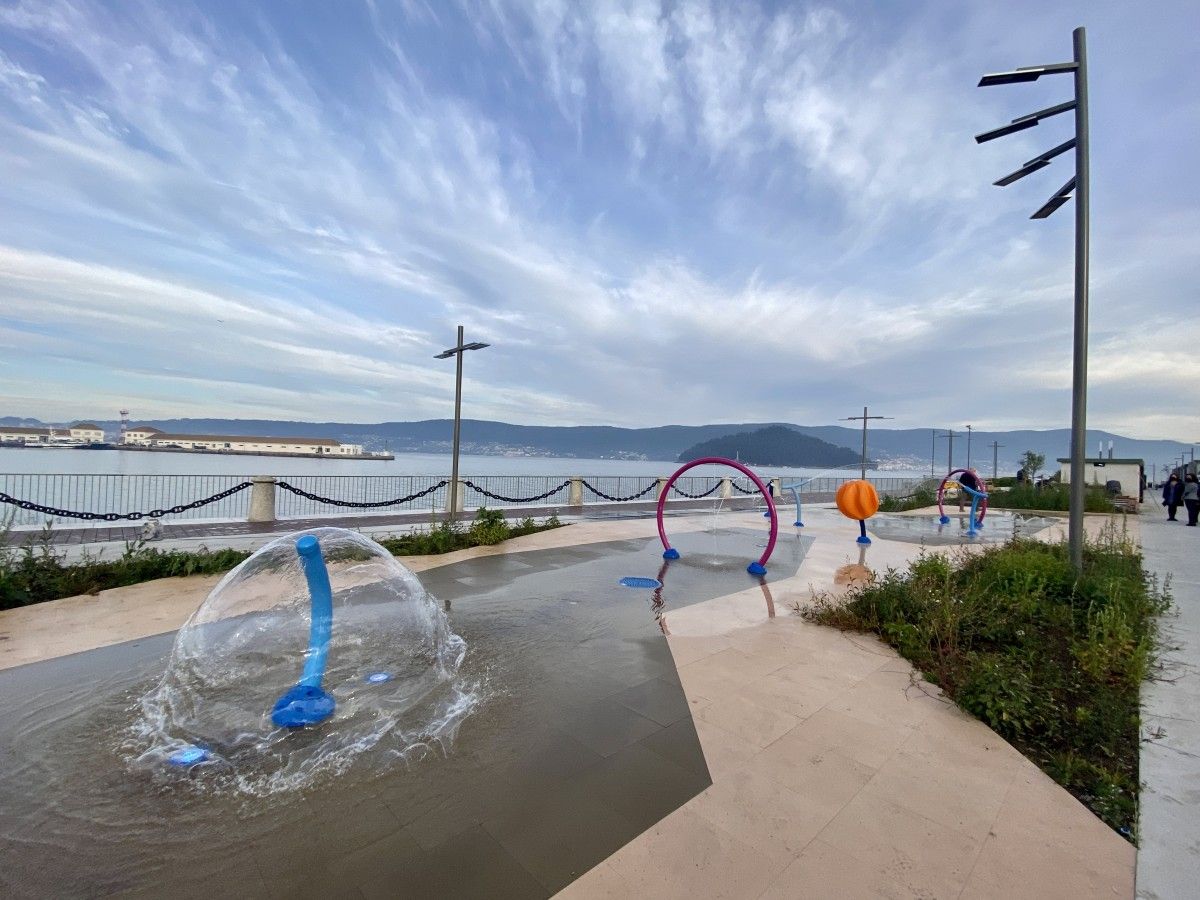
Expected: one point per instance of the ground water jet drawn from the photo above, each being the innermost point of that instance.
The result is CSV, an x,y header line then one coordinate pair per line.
x,y
379,674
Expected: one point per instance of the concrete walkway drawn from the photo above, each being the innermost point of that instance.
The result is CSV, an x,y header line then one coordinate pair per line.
x,y
1168,862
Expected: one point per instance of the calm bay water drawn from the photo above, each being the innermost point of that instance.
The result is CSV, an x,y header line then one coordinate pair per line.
x,y
118,462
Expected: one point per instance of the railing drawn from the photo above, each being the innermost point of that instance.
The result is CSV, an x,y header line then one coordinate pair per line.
x,y
78,499
120,494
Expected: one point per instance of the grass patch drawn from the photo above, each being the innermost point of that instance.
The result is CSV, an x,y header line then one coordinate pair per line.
x,y
1050,497
1052,663
918,499
38,571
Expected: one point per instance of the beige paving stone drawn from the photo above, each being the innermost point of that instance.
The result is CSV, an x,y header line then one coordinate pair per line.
x,y
725,753
758,725
759,811
825,778
895,844
602,882
685,856
1044,842
893,698
868,743
822,871
962,797
687,649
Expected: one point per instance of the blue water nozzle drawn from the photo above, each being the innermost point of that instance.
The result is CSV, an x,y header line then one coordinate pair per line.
x,y
671,553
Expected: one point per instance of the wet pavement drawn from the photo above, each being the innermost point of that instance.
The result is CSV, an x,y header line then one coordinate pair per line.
x,y
585,741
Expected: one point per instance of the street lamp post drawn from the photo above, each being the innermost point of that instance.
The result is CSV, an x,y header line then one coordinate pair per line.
x,y
1080,185
996,445
969,427
457,351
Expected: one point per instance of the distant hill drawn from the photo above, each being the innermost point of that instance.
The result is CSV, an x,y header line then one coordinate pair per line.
x,y
773,446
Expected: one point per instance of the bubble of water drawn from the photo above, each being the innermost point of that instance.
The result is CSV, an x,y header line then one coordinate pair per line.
x,y
392,669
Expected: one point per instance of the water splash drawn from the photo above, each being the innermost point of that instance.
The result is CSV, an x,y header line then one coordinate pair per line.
x,y
210,716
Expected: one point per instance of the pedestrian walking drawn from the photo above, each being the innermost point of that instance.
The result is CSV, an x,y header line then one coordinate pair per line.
x,y
1191,497
1172,494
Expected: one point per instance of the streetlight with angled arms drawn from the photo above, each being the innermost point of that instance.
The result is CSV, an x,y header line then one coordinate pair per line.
x,y
1080,185
457,351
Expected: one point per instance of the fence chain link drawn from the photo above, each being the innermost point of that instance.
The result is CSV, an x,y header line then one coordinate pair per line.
x,y
599,493
741,490
682,493
361,504
503,499
116,517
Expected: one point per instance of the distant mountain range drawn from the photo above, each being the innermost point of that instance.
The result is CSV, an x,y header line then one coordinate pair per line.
x,y
910,448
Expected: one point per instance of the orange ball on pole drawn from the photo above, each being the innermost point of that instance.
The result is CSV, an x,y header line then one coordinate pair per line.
x,y
858,500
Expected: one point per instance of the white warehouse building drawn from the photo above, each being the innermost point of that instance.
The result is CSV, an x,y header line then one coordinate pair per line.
x,y
147,436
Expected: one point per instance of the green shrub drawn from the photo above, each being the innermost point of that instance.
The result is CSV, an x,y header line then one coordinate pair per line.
x,y
1050,497
1051,661
37,571
918,499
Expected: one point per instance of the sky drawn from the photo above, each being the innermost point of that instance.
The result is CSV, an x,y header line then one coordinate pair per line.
x,y
654,212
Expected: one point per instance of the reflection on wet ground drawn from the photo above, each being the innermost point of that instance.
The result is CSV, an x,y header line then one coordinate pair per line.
x,y
997,527
585,740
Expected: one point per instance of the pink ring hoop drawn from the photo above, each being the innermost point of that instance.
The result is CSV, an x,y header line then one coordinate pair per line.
x,y
721,461
983,503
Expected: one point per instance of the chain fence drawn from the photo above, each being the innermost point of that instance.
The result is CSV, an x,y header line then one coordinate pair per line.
x,y
32,499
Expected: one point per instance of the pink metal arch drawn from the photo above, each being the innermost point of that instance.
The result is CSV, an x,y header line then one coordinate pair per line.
x,y
983,501
721,461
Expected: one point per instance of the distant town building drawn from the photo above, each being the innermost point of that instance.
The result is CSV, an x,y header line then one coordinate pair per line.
x,y
74,435
153,438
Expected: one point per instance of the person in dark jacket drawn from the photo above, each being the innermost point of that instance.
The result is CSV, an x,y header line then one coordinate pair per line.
x,y
1172,494
1191,497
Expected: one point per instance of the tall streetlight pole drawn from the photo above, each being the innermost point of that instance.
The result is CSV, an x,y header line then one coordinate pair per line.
x,y
996,445
457,351
932,452
969,427
864,418
1080,185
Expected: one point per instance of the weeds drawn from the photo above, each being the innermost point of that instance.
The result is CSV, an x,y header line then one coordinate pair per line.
x,y
37,571
1050,496
1052,662
918,499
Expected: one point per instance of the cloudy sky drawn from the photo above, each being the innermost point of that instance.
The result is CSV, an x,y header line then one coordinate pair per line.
x,y
656,212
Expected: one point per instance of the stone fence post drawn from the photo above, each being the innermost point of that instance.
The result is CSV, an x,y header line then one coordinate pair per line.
x,y
776,487
726,488
662,486
455,497
262,499
575,495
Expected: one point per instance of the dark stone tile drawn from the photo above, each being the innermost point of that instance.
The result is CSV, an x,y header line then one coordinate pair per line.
x,y
562,833
606,726
656,699
680,745
642,786
469,865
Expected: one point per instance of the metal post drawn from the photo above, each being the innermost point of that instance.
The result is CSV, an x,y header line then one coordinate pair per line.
x,y
950,452
968,446
864,452
932,453
1079,362
453,514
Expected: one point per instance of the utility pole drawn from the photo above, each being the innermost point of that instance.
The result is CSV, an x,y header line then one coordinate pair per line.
x,y
969,446
933,452
950,451
864,417
1080,185
996,445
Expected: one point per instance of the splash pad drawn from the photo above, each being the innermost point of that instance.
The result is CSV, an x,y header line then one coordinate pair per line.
x,y
317,649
